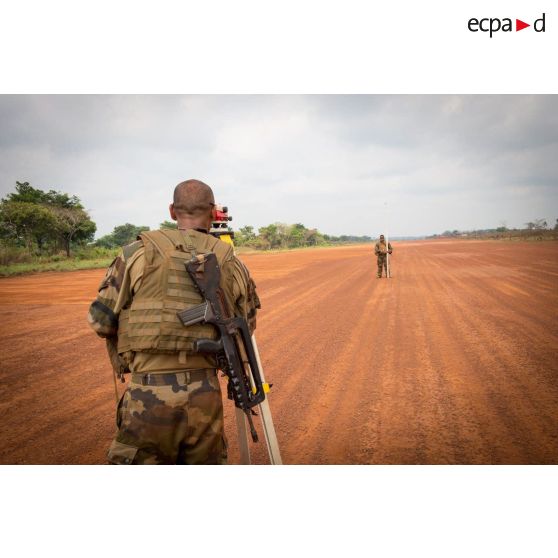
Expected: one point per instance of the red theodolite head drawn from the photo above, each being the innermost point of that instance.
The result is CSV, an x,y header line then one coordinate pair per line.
x,y
221,214
220,224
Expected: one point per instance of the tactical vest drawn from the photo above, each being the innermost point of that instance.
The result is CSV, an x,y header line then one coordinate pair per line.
x,y
379,247
150,323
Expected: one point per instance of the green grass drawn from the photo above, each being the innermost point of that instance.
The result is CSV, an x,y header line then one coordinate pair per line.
x,y
251,250
77,263
63,265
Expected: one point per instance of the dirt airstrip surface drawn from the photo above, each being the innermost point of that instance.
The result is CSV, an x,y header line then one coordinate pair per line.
x,y
453,360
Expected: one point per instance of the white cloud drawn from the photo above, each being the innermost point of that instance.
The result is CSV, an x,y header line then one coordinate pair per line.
x,y
331,162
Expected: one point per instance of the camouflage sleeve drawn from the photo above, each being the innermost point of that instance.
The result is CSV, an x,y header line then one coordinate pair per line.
x,y
102,317
246,298
114,291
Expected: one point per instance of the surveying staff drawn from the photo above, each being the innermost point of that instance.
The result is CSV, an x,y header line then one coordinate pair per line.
x,y
172,411
381,251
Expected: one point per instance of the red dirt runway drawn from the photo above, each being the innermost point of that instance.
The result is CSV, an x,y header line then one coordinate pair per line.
x,y
453,360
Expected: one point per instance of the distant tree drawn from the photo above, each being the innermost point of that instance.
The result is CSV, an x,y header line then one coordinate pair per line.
x,y
296,236
248,232
537,225
312,237
106,241
121,235
168,225
33,216
73,224
271,235
127,233
556,225
245,236
282,235
261,243
26,222
27,194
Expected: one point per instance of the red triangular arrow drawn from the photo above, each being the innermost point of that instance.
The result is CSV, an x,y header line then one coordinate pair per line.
x,y
519,25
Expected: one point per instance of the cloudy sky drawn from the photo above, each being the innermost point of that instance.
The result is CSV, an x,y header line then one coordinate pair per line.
x,y
352,164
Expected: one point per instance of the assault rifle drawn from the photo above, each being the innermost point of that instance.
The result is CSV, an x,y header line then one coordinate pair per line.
x,y
205,273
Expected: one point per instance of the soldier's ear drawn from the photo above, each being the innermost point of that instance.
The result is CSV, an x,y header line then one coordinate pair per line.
x,y
172,212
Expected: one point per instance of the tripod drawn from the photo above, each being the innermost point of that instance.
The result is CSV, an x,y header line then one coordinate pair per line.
x,y
220,230
267,423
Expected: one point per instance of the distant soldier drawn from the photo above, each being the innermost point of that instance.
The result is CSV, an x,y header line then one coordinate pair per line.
x,y
381,251
172,412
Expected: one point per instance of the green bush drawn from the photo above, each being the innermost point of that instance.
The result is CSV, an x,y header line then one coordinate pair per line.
x,y
14,254
91,252
60,257
11,255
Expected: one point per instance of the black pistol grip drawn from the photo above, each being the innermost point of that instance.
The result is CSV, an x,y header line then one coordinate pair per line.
x,y
208,346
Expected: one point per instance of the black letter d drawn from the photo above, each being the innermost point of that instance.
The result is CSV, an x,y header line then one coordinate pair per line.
x,y
541,30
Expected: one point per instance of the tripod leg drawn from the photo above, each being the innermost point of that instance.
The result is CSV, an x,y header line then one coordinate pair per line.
x,y
242,434
265,415
267,420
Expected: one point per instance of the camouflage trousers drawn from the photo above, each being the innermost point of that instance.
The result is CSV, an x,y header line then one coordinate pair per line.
x,y
170,419
382,263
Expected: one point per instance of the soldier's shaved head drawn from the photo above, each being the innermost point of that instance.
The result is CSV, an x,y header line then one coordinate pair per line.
x,y
193,198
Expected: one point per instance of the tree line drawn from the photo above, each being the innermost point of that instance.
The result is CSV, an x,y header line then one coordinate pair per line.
x,y
535,228
44,222
282,235
41,223
127,233
38,223
274,236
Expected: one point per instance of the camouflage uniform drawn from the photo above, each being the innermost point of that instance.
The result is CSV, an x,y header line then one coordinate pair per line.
x,y
380,251
172,411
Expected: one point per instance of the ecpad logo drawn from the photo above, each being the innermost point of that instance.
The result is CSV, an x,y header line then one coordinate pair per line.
x,y
493,25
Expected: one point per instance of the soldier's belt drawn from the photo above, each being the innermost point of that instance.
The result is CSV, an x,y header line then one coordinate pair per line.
x,y
173,378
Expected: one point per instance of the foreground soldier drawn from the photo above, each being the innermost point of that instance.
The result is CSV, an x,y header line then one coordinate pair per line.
x,y
172,412
381,251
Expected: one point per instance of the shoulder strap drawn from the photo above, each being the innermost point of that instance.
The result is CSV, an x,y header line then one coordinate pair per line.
x,y
159,241
169,239
222,250
130,249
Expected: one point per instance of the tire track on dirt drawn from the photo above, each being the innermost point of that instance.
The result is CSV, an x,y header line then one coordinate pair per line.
x,y
332,396
508,397
408,418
